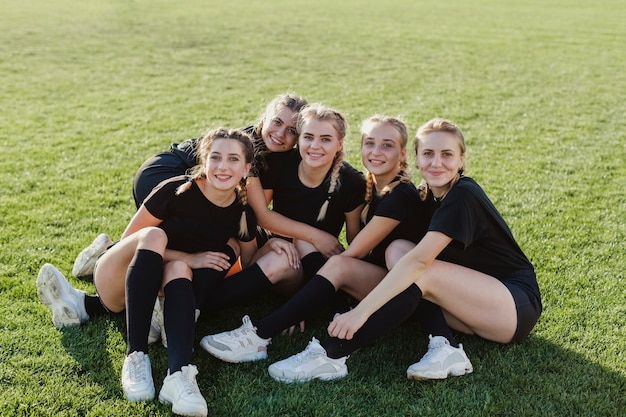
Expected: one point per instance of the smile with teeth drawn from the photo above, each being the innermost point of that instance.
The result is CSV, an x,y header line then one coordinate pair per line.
x,y
276,141
376,162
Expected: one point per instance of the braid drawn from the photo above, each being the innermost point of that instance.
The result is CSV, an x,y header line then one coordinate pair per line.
x,y
243,198
369,186
334,184
260,152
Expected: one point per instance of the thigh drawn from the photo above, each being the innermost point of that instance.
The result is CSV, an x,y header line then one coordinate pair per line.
x,y
110,275
480,302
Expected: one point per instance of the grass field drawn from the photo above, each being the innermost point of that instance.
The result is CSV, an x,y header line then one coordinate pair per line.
x,y
90,89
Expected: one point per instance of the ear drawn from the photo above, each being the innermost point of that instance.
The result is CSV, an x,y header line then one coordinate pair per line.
x,y
403,155
248,168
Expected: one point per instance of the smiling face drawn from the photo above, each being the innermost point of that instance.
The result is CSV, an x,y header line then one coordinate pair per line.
x,y
382,150
319,143
279,130
226,164
439,159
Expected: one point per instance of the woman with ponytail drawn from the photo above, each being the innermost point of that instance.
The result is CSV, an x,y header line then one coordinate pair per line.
x,y
201,212
393,211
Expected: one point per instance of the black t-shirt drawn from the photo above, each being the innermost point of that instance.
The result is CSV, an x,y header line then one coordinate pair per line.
x,y
481,239
403,204
296,201
192,223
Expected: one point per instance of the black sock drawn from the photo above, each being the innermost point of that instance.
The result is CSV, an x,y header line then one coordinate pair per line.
x,y
143,281
239,288
315,294
206,280
391,315
430,317
179,314
311,263
94,306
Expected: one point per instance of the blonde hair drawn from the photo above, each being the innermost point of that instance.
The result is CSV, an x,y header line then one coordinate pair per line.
x,y
204,149
288,100
317,111
437,125
403,173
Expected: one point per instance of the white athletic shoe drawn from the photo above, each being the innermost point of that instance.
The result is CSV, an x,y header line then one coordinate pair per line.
x,y
137,377
86,259
66,302
181,390
239,345
440,360
157,327
311,363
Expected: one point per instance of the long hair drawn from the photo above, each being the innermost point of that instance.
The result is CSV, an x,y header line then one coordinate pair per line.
x,y
403,174
204,149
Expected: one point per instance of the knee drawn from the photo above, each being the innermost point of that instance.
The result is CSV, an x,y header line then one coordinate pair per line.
x,y
335,268
153,238
274,266
396,250
176,269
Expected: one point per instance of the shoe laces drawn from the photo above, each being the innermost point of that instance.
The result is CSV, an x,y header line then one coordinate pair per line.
x,y
137,367
189,373
312,349
243,329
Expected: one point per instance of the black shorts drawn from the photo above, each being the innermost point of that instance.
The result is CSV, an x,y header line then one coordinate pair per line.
x,y
525,291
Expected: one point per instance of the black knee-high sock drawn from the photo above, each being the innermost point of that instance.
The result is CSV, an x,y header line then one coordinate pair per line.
x,y
206,280
239,288
430,317
311,263
94,306
179,319
391,315
315,294
143,281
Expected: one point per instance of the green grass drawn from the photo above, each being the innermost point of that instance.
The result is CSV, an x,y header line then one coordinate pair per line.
x,y
91,89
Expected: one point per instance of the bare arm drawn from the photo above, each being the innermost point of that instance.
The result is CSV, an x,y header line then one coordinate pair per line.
x,y
142,218
353,223
372,234
258,199
408,269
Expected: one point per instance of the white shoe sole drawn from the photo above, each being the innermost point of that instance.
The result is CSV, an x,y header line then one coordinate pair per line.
x,y
453,371
183,410
50,293
321,377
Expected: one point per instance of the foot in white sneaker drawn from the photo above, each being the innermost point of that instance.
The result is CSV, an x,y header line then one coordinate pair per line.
x,y
157,328
239,345
441,360
67,303
311,363
86,259
137,380
181,390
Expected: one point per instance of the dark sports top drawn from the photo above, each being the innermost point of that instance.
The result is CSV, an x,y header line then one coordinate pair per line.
x,y
192,223
296,201
481,239
403,204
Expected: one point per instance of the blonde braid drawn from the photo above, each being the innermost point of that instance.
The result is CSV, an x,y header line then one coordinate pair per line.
x,y
243,198
334,184
369,186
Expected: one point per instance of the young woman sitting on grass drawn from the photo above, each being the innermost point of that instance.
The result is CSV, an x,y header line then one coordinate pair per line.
x,y
393,212
185,214
467,273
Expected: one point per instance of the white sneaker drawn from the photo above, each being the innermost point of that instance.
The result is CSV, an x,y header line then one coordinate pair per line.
x,y
441,360
137,377
157,327
86,259
311,363
67,303
181,390
239,345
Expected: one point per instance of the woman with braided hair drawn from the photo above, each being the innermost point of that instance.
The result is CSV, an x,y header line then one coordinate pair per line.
x,y
393,211
203,211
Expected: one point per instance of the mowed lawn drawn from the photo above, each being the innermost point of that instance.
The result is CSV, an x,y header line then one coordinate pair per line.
x,y
90,89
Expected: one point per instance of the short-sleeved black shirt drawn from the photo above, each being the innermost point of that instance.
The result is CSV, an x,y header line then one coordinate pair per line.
x,y
403,204
481,239
192,223
296,201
